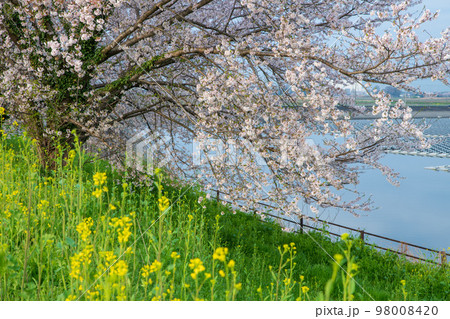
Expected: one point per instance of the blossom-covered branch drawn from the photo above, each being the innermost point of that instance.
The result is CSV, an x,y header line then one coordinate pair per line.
x,y
261,76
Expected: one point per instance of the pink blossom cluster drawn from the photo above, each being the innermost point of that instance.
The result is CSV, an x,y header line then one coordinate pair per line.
x,y
269,74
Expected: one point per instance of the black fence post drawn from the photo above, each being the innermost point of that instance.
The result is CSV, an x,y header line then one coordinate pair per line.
x,y
443,258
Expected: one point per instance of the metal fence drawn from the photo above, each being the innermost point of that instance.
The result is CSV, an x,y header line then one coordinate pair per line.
x,y
441,256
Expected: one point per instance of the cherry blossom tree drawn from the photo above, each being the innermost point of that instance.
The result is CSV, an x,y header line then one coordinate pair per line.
x,y
261,76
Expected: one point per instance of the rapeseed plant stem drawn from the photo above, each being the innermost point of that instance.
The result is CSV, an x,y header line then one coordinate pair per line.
x,y
404,292
347,279
216,232
71,257
27,245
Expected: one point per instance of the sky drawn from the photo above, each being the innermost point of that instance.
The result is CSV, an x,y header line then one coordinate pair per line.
x,y
434,28
429,29
443,21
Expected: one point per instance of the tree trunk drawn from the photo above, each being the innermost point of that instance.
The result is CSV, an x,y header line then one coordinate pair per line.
x,y
51,146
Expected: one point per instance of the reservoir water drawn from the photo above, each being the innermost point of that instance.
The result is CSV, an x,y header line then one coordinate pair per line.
x,y
417,211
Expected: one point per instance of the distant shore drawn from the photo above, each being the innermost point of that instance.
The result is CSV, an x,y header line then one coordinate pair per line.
x,y
418,112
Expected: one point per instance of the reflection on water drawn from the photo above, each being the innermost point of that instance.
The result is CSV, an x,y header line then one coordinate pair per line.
x,y
418,211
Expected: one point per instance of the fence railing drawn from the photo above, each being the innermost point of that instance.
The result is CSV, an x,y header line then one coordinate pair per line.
x,y
442,255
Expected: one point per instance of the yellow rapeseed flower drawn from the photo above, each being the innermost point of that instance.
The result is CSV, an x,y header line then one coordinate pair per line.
x,y
220,254
305,289
344,236
71,154
231,263
145,271
84,228
221,273
196,265
122,226
338,257
155,266
403,282
99,179
123,235
119,222
238,286
174,255
120,268
163,203
93,295
97,193
122,296
79,261
44,203
108,255
2,110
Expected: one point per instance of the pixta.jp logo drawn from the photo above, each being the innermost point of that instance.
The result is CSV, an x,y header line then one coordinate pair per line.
x,y
147,151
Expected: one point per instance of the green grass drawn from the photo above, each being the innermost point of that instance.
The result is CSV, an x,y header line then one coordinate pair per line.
x,y
67,235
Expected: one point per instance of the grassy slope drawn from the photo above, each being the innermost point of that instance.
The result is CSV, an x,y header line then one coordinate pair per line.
x,y
53,205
